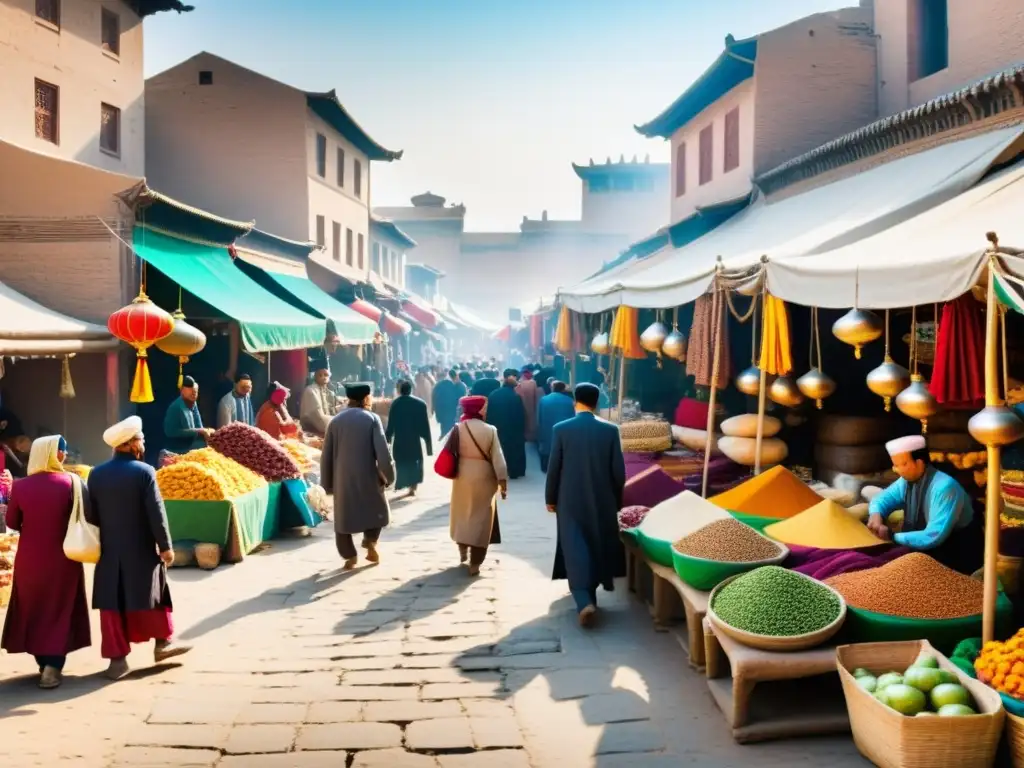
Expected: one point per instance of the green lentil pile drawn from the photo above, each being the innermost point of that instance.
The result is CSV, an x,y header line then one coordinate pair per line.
x,y
775,602
727,541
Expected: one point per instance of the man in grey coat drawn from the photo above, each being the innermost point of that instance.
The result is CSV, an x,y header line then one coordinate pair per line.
x,y
356,466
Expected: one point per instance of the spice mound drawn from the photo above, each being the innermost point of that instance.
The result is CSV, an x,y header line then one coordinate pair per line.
x,y
774,493
914,587
680,516
189,481
631,517
775,602
727,541
237,480
255,449
826,525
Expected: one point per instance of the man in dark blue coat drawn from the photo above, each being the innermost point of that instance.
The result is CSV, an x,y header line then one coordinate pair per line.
x,y
408,425
552,409
505,410
586,477
446,398
486,384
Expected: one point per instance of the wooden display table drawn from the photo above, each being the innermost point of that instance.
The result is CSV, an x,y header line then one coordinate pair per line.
x,y
770,695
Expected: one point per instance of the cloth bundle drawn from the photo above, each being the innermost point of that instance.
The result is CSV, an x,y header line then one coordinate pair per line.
x,y
822,564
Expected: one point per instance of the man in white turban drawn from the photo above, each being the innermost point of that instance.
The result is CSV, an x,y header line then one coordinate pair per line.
x,y
130,584
938,515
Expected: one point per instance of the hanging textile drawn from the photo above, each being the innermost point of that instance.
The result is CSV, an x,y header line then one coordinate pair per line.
x,y
536,331
625,336
564,331
958,376
700,354
776,352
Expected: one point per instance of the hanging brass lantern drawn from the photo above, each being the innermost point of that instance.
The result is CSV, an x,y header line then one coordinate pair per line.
x,y
816,385
917,402
888,380
654,337
784,392
749,381
184,341
857,328
674,345
996,425
600,345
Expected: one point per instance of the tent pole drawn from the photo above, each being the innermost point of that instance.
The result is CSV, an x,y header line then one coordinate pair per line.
x,y
992,486
762,385
716,320
622,382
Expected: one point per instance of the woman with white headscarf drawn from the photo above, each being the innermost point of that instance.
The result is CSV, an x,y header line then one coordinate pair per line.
x,y
48,615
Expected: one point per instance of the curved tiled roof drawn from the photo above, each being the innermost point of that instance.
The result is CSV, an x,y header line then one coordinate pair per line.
x,y
389,229
331,111
148,7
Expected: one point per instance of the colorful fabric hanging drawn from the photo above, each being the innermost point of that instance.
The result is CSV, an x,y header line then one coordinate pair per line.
x,y
536,331
958,376
700,355
776,352
564,331
625,336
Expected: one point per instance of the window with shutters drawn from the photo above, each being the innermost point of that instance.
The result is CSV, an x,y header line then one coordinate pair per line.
x,y
680,170
732,140
336,240
348,247
47,112
357,177
321,156
110,32
48,11
341,167
321,231
110,129
361,251
375,257
707,150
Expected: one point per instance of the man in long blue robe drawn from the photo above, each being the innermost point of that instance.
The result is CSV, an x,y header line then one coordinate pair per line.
x,y
446,396
551,410
505,410
486,384
408,425
938,515
586,478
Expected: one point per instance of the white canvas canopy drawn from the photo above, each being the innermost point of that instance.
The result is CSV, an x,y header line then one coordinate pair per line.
x,y
30,329
818,221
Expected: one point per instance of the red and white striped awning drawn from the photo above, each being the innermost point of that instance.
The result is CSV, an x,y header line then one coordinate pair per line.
x,y
392,325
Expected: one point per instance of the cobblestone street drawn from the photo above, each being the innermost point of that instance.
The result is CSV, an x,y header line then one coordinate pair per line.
x,y
406,665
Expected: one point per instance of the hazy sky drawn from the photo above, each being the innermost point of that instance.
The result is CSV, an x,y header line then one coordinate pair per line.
x,y
492,100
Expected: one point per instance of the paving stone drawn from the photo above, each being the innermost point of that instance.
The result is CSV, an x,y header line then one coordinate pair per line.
x,y
368,650
408,711
374,693
181,736
486,707
407,676
577,683
303,695
616,707
436,691
161,757
392,758
491,732
442,733
200,711
526,647
326,759
259,739
271,713
351,736
498,758
334,712
630,737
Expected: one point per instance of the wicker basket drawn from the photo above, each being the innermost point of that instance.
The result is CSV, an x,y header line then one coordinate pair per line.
x,y
1015,739
5,595
925,350
207,556
184,556
892,740
768,642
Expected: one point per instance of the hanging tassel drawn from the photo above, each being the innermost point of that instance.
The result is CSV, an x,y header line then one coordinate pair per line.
x,y
67,387
181,371
142,385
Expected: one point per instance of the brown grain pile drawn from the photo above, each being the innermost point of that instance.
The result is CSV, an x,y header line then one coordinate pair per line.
x,y
914,586
727,541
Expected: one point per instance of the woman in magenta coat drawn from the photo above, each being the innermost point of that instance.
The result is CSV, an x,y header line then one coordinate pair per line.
x,y
48,615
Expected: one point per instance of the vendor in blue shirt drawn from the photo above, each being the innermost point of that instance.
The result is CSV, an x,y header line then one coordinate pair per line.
x,y
938,516
183,426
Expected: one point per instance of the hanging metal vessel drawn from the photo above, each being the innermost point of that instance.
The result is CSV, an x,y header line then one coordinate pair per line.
x,y
674,346
654,337
600,345
996,425
784,392
857,328
888,380
749,381
816,386
917,402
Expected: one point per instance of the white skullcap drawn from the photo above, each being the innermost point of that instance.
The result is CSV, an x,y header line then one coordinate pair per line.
x,y
123,431
907,444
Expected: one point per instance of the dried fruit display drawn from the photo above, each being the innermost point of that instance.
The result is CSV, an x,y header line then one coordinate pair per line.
x,y
255,449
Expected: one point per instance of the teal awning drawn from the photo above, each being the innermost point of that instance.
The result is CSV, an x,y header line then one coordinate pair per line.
x,y
267,323
353,327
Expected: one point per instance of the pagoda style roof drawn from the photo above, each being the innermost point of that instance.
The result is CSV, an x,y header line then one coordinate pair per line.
x,y
148,7
387,228
427,200
158,211
622,168
734,65
327,107
275,245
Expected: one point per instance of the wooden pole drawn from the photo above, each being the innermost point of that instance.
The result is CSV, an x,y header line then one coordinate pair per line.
x,y
762,384
716,329
993,484
622,382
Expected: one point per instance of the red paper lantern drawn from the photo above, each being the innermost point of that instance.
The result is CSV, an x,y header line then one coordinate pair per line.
x,y
141,324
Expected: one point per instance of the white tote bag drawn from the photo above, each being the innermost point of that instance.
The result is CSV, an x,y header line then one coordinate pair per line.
x,y
82,541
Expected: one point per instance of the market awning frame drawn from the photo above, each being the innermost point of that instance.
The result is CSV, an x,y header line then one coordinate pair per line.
x,y
30,329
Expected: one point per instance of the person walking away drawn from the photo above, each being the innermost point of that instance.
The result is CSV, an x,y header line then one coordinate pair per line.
x,y
586,477
318,405
408,424
236,405
356,466
48,615
273,417
506,412
130,587
551,410
467,378
424,389
447,395
530,394
473,515
486,383
183,426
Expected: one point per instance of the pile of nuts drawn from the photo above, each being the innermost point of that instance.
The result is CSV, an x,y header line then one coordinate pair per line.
x,y
728,541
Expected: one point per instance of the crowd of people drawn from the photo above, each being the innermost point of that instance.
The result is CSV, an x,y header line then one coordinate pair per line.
x,y
483,420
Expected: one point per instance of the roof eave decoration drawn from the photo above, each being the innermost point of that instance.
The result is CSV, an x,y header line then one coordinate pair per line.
x,y
735,65
148,7
265,242
426,268
392,230
331,111
980,101
158,211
